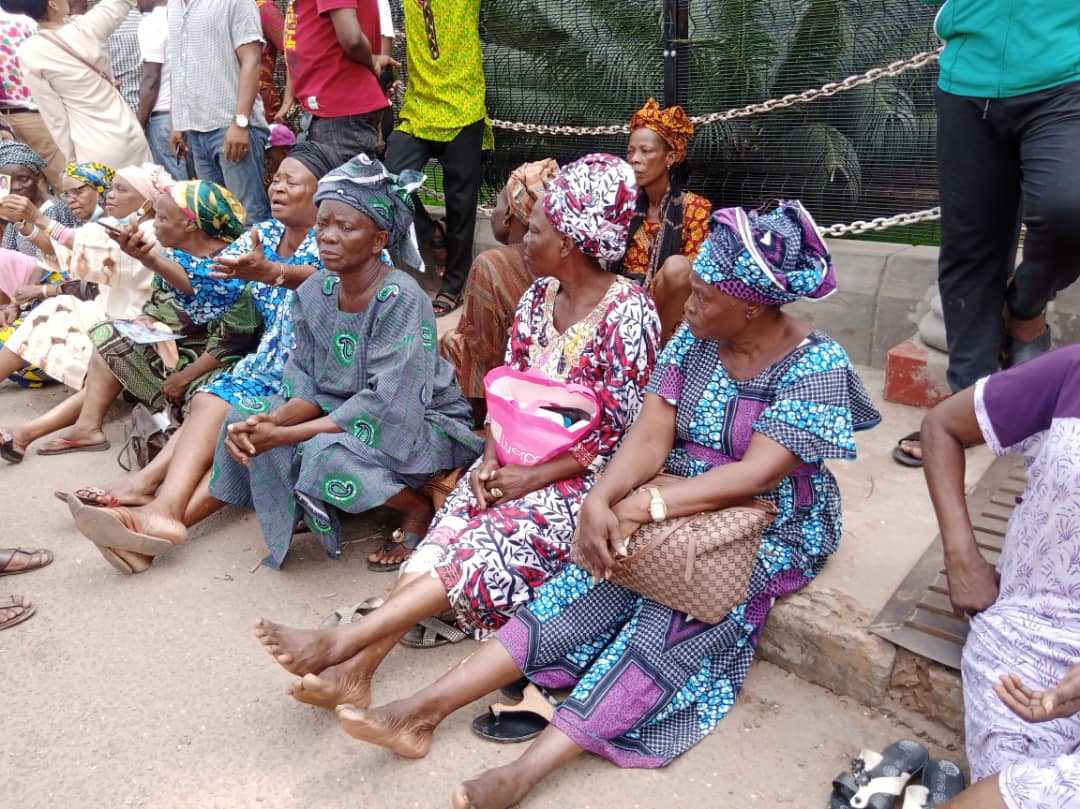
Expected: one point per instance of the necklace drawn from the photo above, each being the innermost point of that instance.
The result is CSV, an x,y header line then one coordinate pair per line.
x,y
556,353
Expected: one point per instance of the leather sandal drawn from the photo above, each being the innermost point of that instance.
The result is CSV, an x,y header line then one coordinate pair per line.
x,y
37,559
398,541
16,603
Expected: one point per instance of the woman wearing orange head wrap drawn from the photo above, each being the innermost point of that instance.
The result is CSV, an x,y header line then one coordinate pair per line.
x,y
670,223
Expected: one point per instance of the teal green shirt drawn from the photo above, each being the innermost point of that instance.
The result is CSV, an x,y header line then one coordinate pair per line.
x,y
1002,48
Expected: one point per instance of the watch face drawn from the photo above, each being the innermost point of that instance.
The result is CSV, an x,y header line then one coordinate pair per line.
x,y
241,120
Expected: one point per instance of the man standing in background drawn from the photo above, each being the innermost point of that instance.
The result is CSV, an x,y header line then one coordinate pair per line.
x,y
213,52
153,109
333,51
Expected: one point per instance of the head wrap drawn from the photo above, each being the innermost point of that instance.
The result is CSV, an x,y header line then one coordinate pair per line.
x,y
148,179
526,185
592,201
217,212
366,185
280,135
19,154
315,157
96,175
671,124
772,259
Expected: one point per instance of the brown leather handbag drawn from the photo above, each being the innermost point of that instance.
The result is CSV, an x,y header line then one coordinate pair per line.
x,y
699,565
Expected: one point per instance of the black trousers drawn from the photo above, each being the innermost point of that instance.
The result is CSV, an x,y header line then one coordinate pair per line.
x,y
1000,162
461,161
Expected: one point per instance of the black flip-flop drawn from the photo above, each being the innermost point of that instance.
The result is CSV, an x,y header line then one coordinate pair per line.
x,y
8,451
512,724
942,780
404,539
875,780
906,458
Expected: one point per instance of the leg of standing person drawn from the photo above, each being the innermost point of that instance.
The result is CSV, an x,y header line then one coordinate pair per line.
x,y
1048,122
461,160
245,177
347,135
403,151
157,135
979,182
29,127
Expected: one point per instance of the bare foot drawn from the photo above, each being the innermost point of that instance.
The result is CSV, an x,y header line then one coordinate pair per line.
x,y
394,727
333,687
300,651
498,788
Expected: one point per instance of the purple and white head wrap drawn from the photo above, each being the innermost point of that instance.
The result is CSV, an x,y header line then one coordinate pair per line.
x,y
771,259
592,200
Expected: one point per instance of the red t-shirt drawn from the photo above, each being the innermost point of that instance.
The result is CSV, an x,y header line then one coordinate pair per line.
x,y
326,82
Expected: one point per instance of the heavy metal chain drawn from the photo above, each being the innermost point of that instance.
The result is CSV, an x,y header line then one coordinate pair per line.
x,y
881,223
896,68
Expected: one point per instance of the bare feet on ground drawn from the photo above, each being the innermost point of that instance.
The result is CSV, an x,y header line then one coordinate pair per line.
x,y
395,727
332,687
300,651
498,788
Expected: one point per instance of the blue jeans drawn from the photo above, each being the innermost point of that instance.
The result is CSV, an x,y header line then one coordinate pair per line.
x,y
244,179
157,135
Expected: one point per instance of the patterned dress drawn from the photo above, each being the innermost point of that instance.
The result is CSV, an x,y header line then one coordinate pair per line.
x,y
695,228
259,373
492,561
1033,629
378,376
649,682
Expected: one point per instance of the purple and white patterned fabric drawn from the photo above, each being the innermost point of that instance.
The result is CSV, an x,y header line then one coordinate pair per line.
x,y
1033,629
771,259
593,200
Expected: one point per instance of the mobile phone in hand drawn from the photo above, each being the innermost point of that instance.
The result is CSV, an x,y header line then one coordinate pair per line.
x,y
113,229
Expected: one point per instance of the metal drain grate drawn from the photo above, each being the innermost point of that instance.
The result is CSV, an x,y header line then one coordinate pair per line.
x,y
919,616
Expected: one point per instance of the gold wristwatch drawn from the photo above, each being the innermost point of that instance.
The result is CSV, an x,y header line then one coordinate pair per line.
x,y
657,506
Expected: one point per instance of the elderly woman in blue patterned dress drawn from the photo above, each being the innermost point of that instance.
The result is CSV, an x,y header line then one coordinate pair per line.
x,y
745,401
369,410
264,265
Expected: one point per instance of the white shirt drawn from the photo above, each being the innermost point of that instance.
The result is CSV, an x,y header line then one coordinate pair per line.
x,y
386,23
153,37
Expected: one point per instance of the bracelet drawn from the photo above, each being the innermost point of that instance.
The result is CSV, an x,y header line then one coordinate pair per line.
x,y
281,276
44,291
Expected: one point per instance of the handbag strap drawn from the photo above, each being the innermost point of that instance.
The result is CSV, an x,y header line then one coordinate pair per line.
x,y
55,40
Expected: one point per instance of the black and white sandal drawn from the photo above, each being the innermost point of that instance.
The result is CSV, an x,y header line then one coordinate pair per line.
x,y
942,780
875,780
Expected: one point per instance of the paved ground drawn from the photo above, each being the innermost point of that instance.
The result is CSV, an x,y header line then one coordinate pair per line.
x,y
151,692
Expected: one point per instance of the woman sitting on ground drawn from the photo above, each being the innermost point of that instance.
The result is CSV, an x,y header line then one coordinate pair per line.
x,y
670,224
53,337
506,528
20,246
161,375
82,190
173,488
370,412
497,281
1024,641
745,401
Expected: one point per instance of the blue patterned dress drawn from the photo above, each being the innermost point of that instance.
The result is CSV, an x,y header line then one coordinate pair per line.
x,y
650,682
258,373
378,376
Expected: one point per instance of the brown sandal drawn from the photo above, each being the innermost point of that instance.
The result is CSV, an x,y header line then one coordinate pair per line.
x,y
16,603
37,558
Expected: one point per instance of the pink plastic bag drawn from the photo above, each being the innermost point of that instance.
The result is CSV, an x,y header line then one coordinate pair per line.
x,y
533,418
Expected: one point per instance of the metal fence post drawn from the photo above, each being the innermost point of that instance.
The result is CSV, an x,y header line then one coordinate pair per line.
x,y
676,51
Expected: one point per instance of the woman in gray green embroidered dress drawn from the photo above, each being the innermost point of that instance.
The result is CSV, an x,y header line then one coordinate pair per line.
x,y
369,410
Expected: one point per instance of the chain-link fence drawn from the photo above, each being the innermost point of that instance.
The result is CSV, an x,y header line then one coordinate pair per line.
x,y
858,146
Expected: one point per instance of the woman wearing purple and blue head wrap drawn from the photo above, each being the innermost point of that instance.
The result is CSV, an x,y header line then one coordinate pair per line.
x,y
745,401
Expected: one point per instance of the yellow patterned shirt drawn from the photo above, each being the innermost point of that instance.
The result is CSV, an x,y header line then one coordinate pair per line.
x,y
446,88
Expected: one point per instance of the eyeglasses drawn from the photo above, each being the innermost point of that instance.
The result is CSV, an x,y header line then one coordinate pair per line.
x,y
73,193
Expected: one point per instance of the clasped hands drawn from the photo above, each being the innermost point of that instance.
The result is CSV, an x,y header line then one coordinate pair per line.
x,y
252,436
604,530
493,483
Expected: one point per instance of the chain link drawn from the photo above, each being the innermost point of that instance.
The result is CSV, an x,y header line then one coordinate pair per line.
x,y
881,223
896,68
